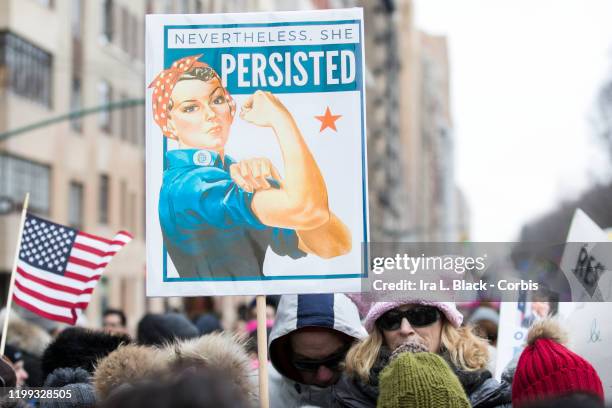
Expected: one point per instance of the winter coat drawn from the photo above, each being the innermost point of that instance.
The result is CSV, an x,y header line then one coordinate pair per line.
x,y
351,392
482,390
129,365
331,311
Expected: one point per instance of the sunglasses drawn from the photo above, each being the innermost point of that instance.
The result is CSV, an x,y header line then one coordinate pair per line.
x,y
332,362
420,316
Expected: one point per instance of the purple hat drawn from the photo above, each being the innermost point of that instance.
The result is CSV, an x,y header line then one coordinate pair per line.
x,y
377,309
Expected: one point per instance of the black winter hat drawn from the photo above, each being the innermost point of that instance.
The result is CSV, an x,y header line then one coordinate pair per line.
x,y
208,323
15,354
159,329
7,373
78,347
75,380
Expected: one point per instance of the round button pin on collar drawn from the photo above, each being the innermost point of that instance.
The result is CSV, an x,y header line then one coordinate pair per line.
x,y
202,158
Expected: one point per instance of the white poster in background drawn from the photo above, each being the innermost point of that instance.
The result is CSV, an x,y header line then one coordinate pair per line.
x,y
588,324
589,330
255,192
588,266
590,335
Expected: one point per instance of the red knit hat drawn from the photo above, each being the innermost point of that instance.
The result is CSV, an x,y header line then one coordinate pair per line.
x,y
547,369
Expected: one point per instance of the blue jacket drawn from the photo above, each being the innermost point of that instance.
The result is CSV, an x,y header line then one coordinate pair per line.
x,y
208,226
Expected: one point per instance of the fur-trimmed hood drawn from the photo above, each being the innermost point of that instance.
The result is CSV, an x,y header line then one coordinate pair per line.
x,y
219,351
127,365
25,335
131,364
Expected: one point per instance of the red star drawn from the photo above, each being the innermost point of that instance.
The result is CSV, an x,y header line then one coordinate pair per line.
x,y
328,120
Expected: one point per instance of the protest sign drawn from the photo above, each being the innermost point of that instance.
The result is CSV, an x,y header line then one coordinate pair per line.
x,y
256,160
590,333
587,265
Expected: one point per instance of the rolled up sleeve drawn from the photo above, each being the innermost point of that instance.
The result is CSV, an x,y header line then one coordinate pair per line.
x,y
208,196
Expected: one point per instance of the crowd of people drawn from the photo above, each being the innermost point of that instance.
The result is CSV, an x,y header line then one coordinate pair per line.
x,y
325,350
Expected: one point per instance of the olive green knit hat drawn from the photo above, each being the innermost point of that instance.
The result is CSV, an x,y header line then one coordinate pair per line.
x,y
422,380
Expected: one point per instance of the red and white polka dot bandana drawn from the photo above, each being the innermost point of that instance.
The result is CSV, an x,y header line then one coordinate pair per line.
x,y
164,83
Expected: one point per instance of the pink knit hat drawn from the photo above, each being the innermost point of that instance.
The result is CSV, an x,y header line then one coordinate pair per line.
x,y
377,309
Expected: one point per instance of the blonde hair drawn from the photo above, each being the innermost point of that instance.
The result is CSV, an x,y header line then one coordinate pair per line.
x,y
467,351
362,356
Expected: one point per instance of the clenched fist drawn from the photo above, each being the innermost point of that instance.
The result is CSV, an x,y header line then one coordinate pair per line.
x,y
251,174
264,109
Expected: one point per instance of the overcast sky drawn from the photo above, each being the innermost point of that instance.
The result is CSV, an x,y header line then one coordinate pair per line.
x,y
524,77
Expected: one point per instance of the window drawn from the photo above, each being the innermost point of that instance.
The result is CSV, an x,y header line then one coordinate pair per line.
x,y
19,176
76,123
105,97
132,214
46,3
135,37
76,18
140,54
107,20
124,204
185,6
29,68
124,119
75,205
137,125
103,199
124,21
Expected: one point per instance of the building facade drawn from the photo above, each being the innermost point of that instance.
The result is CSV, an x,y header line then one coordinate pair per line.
x,y
88,171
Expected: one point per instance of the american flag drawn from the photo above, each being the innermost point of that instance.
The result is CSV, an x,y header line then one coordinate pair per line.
x,y
59,266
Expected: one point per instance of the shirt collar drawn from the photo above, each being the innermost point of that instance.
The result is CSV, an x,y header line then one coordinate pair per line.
x,y
197,158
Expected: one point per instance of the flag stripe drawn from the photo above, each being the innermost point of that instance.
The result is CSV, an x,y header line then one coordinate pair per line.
x,y
94,238
94,261
90,265
81,278
88,249
53,277
54,293
53,285
53,309
83,271
89,257
90,243
49,299
98,242
41,312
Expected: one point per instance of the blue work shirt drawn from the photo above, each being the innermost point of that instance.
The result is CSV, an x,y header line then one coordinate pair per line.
x,y
207,223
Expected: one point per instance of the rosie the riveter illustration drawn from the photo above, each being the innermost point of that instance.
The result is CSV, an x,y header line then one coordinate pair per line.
x,y
218,216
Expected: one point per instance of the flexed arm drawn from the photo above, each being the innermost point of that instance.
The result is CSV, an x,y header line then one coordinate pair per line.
x,y
301,202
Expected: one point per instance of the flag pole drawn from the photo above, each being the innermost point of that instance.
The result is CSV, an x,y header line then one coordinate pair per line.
x,y
9,299
262,351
